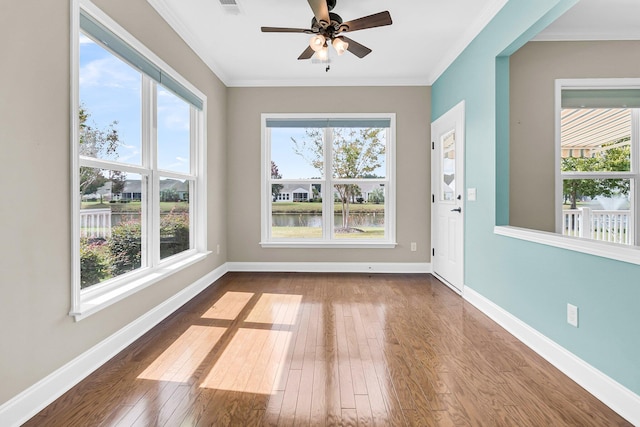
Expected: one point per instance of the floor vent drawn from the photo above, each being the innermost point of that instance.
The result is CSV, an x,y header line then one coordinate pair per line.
x,y
231,7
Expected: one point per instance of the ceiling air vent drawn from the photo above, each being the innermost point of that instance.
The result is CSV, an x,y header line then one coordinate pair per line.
x,y
231,7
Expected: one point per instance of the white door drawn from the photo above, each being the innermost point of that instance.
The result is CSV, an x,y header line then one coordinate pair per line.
x,y
447,196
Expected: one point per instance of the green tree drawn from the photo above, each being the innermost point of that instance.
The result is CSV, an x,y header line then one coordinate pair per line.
x,y
118,179
615,157
169,195
376,196
357,153
275,174
97,143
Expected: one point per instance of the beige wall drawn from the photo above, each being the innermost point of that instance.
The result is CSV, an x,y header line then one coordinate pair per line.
x,y
534,69
37,334
412,108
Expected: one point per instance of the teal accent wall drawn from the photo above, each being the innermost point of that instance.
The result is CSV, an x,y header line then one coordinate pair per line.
x,y
531,281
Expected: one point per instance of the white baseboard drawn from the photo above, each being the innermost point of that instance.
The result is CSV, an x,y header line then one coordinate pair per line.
x,y
332,267
611,393
32,400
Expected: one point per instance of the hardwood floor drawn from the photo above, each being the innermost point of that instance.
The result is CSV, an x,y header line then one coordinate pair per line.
x,y
287,349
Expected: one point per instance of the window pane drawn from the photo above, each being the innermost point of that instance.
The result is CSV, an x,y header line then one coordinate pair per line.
x,y
174,135
448,166
110,105
359,152
296,211
110,224
598,209
359,211
297,153
174,216
596,139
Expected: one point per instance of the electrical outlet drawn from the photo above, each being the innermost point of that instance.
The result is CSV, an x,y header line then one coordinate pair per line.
x,y
218,249
414,247
572,315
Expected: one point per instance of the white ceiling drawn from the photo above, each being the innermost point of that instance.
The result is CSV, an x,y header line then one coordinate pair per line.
x,y
597,20
426,36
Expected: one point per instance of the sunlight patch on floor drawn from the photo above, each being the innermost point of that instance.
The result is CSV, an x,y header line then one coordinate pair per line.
x,y
229,306
276,309
251,363
180,360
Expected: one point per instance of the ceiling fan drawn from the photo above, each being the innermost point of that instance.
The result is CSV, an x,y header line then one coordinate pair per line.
x,y
327,27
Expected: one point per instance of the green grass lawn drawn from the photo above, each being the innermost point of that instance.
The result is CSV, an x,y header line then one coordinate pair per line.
x,y
316,233
309,207
165,207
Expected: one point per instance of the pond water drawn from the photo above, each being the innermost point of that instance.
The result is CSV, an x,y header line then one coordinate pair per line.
x,y
366,219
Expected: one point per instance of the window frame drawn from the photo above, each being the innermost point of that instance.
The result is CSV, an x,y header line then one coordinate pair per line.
x,y
328,182
633,175
85,302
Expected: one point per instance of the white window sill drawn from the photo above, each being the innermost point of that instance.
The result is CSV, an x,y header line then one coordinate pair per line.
x,y
329,245
624,253
94,300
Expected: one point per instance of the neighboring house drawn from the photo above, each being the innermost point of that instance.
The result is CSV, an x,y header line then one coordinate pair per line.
x,y
132,190
304,193
294,193
181,188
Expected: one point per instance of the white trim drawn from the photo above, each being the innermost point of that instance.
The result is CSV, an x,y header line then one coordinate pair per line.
x,y
85,302
333,244
187,35
74,123
331,267
95,300
324,82
453,120
592,83
571,36
624,253
489,12
610,392
328,182
32,400
446,283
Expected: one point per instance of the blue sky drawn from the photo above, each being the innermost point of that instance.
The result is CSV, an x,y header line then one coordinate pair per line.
x,y
292,165
110,90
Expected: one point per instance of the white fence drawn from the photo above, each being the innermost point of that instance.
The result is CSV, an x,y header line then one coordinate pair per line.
x,y
608,226
95,223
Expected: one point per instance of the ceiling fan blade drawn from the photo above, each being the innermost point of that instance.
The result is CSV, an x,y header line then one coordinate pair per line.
x,y
376,20
285,30
308,53
320,11
356,48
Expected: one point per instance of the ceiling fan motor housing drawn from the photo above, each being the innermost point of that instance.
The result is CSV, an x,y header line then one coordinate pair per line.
x,y
336,21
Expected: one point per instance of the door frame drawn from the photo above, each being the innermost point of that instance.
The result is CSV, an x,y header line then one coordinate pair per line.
x,y
456,117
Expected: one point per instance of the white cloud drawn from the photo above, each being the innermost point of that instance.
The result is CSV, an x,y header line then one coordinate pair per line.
x,y
85,40
109,72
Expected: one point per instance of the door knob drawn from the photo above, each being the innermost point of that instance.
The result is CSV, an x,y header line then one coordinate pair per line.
x,y
456,210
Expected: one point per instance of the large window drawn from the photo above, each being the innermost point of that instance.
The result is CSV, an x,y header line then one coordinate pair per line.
x,y
328,180
138,165
598,139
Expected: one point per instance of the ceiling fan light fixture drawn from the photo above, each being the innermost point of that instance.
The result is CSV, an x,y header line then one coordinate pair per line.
x,y
323,53
340,45
317,42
